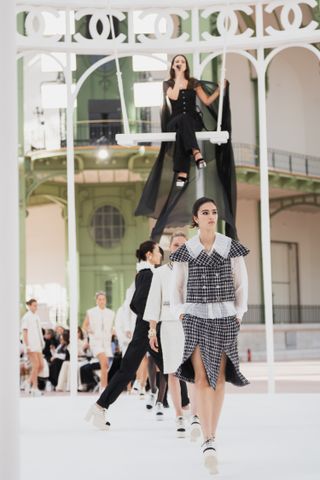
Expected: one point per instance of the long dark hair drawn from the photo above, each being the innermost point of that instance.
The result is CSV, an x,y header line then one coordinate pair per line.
x,y
173,73
144,248
196,207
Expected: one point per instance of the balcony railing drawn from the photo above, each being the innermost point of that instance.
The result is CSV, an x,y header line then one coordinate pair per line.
x,y
103,133
283,314
278,160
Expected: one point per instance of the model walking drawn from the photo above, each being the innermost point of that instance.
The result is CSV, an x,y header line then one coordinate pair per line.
x,y
98,323
148,255
167,331
34,344
209,295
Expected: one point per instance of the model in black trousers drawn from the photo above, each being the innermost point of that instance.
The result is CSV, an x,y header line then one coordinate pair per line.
x,y
185,125
138,346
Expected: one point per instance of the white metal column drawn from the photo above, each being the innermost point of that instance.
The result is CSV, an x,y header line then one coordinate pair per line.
x,y
72,237
9,248
265,214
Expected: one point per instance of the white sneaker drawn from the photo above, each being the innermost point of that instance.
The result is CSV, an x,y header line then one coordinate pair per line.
x,y
96,416
181,427
195,428
151,400
136,387
159,411
210,456
35,392
142,394
26,387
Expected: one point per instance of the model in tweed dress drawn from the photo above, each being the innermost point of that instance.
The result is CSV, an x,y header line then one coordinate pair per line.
x,y
209,295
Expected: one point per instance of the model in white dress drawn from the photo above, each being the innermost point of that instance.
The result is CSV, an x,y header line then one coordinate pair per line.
x,y
34,344
171,332
98,323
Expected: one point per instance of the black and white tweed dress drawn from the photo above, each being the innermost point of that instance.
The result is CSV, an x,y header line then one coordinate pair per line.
x,y
210,280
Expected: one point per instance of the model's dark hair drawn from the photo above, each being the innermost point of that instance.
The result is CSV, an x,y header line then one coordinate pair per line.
x,y
172,71
81,333
31,301
144,248
196,207
66,336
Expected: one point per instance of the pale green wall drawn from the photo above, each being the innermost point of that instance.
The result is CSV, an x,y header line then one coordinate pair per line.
x,y
98,264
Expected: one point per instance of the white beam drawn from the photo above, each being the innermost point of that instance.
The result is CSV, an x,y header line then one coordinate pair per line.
x,y
127,49
129,5
9,249
130,139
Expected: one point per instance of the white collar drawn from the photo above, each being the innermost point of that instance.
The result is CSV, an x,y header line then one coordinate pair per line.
x,y
143,264
221,245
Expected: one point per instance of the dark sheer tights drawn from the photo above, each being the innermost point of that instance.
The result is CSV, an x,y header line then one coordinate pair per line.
x,y
152,373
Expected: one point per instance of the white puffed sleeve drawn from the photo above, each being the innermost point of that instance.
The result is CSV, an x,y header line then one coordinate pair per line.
x,y
178,289
240,279
154,300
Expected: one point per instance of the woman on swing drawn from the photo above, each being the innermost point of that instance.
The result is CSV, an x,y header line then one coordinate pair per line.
x,y
181,91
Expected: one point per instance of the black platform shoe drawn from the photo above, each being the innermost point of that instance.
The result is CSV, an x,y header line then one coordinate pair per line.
x,y
201,164
181,182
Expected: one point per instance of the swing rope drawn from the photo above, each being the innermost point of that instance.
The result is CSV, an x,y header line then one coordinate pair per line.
x,y
119,77
223,69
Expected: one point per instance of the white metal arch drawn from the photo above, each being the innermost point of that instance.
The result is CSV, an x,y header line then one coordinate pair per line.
x,y
214,55
40,52
277,50
103,61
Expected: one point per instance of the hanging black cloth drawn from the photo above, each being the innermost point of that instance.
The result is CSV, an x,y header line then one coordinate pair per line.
x,y
171,206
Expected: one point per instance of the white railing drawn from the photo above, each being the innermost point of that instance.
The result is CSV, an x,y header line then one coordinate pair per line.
x,y
276,23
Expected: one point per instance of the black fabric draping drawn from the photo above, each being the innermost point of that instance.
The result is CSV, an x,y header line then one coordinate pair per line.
x,y
171,206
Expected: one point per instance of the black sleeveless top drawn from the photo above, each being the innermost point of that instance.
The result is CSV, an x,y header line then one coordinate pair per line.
x,y
186,101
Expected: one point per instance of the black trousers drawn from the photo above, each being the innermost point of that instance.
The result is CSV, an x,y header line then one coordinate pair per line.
x,y
185,125
86,373
136,350
54,370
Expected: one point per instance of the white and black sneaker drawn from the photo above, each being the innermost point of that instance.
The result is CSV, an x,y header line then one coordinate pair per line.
x,y
142,394
181,427
136,387
159,411
35,392
151,400
210,456
195,428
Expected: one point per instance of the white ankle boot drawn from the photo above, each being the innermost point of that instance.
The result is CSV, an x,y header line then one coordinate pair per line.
x,y
96,416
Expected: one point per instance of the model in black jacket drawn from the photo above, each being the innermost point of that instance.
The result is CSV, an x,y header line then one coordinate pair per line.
x,y
149,256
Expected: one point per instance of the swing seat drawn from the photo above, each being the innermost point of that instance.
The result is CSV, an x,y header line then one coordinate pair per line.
x,y
131,139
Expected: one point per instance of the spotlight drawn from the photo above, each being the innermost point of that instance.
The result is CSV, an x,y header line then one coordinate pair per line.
x,y
103,154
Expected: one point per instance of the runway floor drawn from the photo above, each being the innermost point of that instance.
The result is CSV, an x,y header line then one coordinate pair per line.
x,y
274,437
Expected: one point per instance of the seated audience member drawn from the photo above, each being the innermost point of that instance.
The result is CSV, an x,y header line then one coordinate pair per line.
x,y
59,355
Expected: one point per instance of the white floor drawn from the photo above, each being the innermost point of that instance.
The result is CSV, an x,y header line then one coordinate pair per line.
x,y
260,437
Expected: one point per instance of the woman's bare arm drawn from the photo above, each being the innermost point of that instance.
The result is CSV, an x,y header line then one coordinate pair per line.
x,y
207,99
